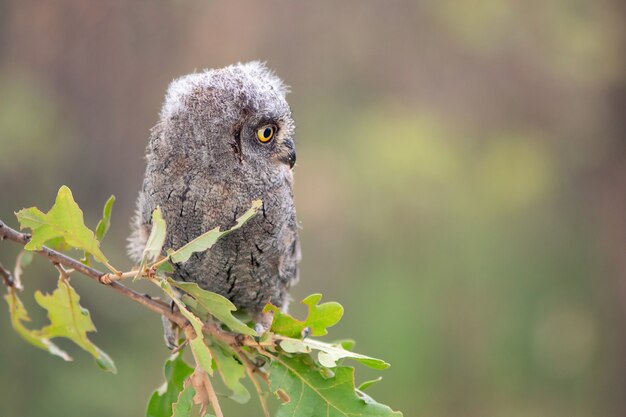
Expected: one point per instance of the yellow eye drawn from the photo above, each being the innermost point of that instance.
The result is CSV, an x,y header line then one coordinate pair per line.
x,y
265,133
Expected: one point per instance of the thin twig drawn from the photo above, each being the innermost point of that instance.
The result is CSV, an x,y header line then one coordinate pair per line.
x,y
160,262
7,277
110,278
111,268
65,274
250,370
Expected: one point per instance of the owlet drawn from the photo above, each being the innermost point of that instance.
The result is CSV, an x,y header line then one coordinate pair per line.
x,y
224,139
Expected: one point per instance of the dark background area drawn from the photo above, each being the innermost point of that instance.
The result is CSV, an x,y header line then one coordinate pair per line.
x,y
461,185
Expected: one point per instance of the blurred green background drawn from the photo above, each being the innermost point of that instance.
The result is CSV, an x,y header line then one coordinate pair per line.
x,y
461,184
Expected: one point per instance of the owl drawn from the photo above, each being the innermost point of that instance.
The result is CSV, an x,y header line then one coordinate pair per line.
x,y
225,138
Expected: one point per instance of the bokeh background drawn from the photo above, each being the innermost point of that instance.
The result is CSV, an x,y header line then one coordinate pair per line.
x,y
461,184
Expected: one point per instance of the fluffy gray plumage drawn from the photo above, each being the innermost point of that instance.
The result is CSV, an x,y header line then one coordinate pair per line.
x,y
205,166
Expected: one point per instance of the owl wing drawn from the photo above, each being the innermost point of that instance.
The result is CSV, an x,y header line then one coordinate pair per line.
x,y
289,269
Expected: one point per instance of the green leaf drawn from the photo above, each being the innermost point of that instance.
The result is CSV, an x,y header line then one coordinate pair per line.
x,y
155,242
231,371
312,395
18,315
164,269
366,384
208,239
59,244
68,319
31,218
294,346
176,372
105,222
329,353
219,307
201,352
347,344
103,226
64,220
182,407
319,318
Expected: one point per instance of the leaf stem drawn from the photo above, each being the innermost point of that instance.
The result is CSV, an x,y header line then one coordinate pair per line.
x,y
212,396
112,268
159,262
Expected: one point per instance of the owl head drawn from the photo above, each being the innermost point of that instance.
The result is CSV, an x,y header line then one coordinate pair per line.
x,y
230,119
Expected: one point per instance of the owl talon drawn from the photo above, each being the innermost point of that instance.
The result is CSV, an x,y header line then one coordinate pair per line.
x,y
306,332
263,322
239,339
170,333
170,330
260,331
260,361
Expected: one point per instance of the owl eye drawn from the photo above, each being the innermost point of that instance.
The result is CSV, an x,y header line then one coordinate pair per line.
x,y
266,133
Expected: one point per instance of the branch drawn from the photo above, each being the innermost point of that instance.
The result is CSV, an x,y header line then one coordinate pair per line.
x,y
159,307
58,258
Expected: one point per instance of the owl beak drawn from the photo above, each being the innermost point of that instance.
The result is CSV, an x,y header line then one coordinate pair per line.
x,y
289,154
292,159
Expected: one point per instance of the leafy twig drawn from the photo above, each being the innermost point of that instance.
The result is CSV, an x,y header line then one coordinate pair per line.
x,y
159,307
156,306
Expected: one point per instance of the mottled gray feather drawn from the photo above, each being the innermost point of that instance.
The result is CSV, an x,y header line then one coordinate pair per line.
x,y
205,166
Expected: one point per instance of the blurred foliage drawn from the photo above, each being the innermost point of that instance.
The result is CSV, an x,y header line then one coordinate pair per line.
x,y
569,37
29,120
460,180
